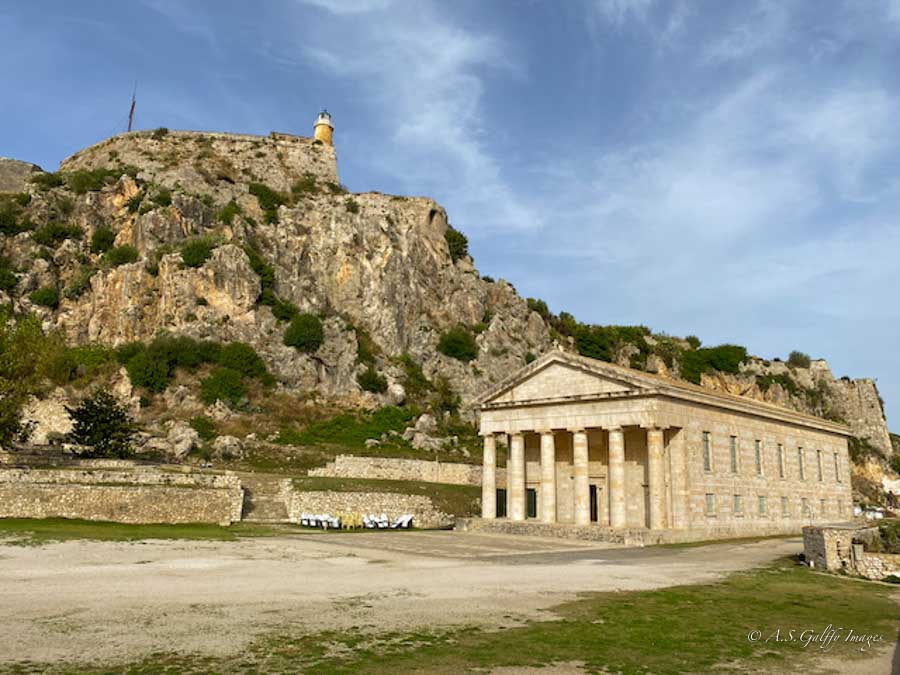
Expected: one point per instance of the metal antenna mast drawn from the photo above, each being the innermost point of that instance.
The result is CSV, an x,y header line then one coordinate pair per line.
x,y
131,110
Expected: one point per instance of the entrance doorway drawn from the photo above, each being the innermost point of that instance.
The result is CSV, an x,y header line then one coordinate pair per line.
x,y
595,513
531,501
501,503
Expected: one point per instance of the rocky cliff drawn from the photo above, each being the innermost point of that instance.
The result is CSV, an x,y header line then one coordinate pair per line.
x,y
365,262
376,267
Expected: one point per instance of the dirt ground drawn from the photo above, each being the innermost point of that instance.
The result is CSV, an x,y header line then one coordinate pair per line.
x,y
114,602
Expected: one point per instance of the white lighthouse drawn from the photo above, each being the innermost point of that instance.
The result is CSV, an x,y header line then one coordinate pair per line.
x,y
323,129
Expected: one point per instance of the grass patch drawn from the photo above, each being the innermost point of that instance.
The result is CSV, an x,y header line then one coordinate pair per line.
x,y
32,532
460,500
350,430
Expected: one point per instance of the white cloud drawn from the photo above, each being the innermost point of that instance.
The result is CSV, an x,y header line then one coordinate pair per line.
x,y
424,77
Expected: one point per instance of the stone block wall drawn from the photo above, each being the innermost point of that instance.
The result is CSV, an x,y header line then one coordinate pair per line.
x,y
394,468
832,548
367,503
877,566
121,496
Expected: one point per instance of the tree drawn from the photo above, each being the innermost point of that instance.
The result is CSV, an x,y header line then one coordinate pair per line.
x,y
305,333
798,360
103,424
22,347
457,243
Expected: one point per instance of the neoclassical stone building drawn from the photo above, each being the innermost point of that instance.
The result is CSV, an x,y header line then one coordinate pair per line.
x,y
592,443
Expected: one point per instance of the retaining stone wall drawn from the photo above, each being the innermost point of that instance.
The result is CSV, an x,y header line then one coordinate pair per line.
x,y
121,496
878,565
367,503
394,468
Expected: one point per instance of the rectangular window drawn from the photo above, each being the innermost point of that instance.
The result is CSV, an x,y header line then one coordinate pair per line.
x,y
785,509
804,506
819,463
800,464
759,459
837,468
707,452
780,460
738,505
710,504
732,446
762,505
822,507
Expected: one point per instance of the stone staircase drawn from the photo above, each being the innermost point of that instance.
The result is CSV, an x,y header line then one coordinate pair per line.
x,y
263,500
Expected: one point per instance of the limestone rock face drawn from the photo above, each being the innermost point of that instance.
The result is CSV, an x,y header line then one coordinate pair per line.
x,y
182,438
48,417
14,174
364,262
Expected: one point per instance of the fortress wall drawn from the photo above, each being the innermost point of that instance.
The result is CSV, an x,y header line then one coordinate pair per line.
x,y
121,496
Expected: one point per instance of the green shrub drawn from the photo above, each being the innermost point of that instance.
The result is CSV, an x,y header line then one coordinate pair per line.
x,y
351,205
693,341
8,278
195,252
134,204
9,222
163,197
798,360
52,234
102,240
416,385
539,306
264,271
861,449
47,296
458,343
223,384
283,310
65,206
305,186
370,380
22,198
127,351
104,425
305,333
336,188
227,213
724,359
487,279
159,133
530,357
145,370
889,529
69,363
242,358
445,399
80,283
269,200
366,347
45,181
121,255
457,243
783,379
90,180
205,427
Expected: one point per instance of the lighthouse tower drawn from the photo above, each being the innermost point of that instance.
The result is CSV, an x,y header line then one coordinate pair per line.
x,y
323,128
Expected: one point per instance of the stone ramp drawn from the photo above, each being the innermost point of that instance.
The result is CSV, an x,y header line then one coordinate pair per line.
x,y
264,499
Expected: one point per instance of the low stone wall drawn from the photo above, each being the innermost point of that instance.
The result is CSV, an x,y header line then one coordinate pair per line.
x,y
121,496
622,536
877,565
831,548
395,468
367,503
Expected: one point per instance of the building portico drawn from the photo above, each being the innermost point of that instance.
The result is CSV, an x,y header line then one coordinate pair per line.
x,y
593,444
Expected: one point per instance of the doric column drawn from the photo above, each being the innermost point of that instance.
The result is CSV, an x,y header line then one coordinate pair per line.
x,y
656,477
516,477
548,477
580,472
616,477
489,478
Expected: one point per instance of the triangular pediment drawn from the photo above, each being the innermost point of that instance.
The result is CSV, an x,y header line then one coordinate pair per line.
x,y
559,377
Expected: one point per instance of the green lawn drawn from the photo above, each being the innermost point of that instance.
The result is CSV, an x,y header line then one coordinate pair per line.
x,y
459,500
697,628
30,532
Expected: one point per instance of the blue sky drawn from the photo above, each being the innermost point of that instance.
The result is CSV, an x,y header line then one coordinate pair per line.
x,y
724,169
